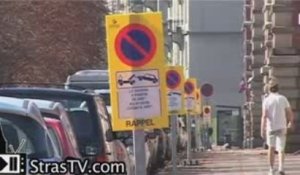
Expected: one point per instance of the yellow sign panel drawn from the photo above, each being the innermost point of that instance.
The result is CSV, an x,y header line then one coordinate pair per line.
x,y
175,82
207,113
135,44
190,88
198,101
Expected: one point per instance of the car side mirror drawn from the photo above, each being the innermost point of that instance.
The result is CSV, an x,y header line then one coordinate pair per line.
x,y
109,135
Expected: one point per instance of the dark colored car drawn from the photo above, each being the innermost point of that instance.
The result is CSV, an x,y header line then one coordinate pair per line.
x,y
87,123
60,127
25,131
61,139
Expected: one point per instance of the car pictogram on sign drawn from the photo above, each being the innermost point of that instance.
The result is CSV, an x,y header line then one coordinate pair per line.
x,y
148,77
174,93
131,80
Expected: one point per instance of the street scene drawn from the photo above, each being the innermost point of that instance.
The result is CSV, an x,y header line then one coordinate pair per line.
x,y
150,87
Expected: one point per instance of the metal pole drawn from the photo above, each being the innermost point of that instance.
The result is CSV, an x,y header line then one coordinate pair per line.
x,y
188,123
139,152
198,140
139,135
174,143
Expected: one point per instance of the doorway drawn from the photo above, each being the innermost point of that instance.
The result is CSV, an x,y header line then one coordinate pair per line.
x,y
230,123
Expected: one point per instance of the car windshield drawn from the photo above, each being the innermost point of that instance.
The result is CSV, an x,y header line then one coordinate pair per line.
x,y
26,136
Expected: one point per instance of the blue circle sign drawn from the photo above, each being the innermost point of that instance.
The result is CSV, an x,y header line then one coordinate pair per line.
x,y
173,79
207,90
135,45
189,87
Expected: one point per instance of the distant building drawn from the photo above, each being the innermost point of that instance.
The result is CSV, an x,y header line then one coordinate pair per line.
x,y
216,47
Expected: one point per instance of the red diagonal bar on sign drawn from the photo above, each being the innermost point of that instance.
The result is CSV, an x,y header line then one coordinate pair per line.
x,y
173,79
136,45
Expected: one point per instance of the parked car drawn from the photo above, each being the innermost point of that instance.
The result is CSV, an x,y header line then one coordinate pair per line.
x,y
60,127
88,79
162,147
117,148
97,81
90,124
25,130
127,138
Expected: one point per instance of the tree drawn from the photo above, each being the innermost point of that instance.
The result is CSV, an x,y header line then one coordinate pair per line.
x,y
44,41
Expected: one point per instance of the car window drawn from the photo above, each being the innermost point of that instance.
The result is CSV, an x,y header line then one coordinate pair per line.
x,y
85,121
56,141
14,137
26,134
69,130
103,113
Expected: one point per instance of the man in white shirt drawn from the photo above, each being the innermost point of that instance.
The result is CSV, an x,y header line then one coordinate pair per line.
x,y
275,114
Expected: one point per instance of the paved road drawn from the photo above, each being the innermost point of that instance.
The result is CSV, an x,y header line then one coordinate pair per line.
x,y
237,162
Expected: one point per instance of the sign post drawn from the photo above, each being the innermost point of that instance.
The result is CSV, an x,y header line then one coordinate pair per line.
x,y
175,79
198,118
137,79
190,98
207,91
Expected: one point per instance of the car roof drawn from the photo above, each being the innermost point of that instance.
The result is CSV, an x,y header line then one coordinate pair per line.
x,y
44,91
88,75
88,79
21,107
102,91
48,106
11,109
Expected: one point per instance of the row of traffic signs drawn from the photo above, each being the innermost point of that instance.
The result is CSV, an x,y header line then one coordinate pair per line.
x,y
140,80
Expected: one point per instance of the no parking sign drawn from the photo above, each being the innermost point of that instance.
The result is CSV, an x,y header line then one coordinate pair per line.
x,y
175,82
190,88
135,45
198,101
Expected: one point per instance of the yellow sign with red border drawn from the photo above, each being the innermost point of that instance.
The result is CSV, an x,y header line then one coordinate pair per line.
x,y
198,101
135,44
175,82
190,88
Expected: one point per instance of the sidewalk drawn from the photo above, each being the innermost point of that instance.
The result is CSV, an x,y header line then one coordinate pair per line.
x,y
234,162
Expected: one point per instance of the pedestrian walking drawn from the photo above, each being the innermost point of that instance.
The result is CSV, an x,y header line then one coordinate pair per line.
x,y
275,115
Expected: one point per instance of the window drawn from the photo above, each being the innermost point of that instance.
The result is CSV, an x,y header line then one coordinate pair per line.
x,y
69,130
102,112
16,138
56,141
25,135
